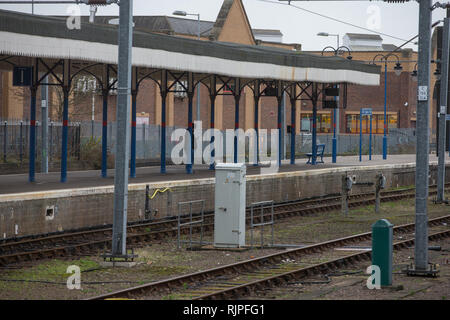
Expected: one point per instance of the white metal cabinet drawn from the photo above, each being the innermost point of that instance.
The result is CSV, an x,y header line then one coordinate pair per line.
x,y
229,211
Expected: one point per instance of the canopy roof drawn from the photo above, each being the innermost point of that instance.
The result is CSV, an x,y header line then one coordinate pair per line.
x,y
28,35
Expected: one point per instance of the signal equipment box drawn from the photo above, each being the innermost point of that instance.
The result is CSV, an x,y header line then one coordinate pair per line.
x,y
229,209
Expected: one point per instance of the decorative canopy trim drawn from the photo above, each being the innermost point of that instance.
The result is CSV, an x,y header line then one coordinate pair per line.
x,y
48,37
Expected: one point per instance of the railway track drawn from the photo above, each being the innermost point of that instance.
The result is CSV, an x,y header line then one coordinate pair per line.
x,y
242,278
86,242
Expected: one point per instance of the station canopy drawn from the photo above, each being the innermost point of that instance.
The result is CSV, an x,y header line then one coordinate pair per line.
x,y
25,36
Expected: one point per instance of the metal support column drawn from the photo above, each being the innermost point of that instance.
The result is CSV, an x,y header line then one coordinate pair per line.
x,y
256,96
32,155
5,141
163,92
283,126
190,124
105,134
21,141
212,97
385,117
279,116
293,130
134,92
65,128
123,129
370,139
314,126
65,136
105,93
237,98
360,135
422,156
335,128
44,132
443,110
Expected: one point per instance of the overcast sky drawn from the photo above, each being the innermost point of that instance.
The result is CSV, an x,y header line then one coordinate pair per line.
x,y
297,26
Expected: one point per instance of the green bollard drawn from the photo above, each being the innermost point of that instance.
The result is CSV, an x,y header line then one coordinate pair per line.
x,y
382,249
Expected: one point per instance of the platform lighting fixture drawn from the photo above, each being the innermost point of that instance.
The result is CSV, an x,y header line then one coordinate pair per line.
x,y
398,69
414,73
437,73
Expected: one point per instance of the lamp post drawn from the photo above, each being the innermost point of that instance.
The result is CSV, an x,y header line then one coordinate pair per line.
x,y
398,70
336,110
184,14
326,34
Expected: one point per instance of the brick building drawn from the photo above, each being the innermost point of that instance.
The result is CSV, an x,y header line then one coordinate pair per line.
x,y
232,25
401,89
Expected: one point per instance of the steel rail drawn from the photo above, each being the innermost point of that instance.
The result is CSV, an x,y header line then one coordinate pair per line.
x,y
38,239
252,264
69,244
306,271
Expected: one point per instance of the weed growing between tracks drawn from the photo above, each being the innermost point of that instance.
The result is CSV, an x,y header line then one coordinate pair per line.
x,y
162,260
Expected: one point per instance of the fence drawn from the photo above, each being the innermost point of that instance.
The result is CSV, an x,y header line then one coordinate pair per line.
x,y
15,140
400,141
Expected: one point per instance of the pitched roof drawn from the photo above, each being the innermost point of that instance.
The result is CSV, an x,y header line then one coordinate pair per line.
x,y
163,24
222,18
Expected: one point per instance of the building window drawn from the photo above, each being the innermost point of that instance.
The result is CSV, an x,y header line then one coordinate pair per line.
x,y
352,123
323,122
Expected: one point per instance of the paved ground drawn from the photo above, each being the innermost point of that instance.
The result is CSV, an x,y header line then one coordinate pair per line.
x,y
17,183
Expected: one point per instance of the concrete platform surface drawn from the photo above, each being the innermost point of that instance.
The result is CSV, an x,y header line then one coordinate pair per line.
x,y
18,183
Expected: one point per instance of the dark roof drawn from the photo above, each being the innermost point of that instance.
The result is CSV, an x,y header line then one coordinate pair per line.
x,y
364,36
389,47
55,27
163,24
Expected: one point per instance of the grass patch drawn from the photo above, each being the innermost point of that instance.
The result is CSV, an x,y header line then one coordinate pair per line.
x,y
53,270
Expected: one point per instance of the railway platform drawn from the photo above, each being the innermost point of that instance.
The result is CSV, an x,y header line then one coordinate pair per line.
x,y
18,183
86,199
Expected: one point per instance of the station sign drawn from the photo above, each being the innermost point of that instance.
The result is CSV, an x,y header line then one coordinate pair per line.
x,y
447,117
22,76
366,111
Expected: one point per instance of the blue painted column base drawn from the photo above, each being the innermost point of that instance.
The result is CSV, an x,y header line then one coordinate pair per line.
x,y
384,147
334,154
65,133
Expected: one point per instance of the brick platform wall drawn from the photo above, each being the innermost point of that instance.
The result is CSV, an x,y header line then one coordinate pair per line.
x,y
25,214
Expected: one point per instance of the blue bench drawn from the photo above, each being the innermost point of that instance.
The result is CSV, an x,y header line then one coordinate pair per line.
x,y
320,148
